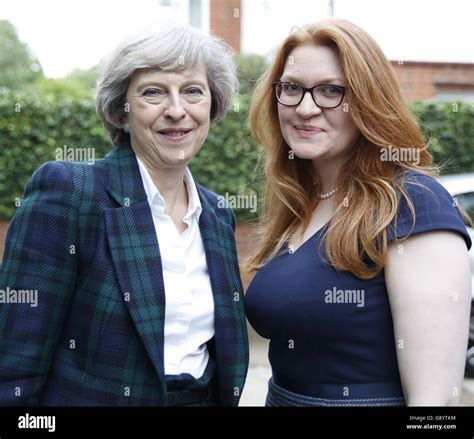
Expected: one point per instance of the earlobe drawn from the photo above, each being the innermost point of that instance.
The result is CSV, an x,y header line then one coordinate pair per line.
x,y
124,123
124,117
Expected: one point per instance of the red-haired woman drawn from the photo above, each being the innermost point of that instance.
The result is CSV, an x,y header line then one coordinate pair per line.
x,y
363,278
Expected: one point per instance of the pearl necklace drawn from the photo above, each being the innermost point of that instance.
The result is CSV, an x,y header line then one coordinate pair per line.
x,y
327,194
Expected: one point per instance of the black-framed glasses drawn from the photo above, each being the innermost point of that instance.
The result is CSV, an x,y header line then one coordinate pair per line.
x,y
324,95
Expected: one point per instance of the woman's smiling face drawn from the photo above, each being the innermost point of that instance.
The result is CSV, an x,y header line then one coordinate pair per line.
x,y
169,114
313,133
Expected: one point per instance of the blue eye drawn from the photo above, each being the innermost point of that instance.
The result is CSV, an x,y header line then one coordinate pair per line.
x,y
330,90
193,91
289,87
153,92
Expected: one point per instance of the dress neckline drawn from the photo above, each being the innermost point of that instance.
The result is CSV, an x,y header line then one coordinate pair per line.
x,y
311,238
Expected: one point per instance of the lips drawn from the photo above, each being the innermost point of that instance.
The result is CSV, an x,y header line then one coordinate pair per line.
x,y
309,128
174,132
307,131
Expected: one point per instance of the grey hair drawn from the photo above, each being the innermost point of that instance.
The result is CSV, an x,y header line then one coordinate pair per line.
x,y
169,47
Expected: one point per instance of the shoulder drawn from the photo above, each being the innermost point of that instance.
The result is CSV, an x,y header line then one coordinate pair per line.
x,y
56,177
53,173
60,171
425,205
422,186
51,179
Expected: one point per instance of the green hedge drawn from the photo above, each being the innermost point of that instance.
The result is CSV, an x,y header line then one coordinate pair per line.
x,y
449,128
32,127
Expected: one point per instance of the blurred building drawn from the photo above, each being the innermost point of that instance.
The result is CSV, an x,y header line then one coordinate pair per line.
x,y
220,17
225,18
441,81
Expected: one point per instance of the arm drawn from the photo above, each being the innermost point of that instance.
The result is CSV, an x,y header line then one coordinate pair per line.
x,y
38,257
428,285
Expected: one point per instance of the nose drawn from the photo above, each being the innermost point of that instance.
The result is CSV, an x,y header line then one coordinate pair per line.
x,y
174,108
307,107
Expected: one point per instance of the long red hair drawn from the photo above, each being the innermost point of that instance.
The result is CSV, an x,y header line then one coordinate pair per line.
x,y
368,186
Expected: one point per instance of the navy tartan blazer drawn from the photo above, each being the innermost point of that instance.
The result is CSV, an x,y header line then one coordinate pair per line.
x,y
84,238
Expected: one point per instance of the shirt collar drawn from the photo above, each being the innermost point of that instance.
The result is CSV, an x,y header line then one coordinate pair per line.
x,y
194,206
155,198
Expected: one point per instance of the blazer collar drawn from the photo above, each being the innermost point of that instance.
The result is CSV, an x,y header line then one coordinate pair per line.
x,y
125,183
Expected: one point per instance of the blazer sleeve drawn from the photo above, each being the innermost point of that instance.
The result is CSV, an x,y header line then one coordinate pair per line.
x,y
40,259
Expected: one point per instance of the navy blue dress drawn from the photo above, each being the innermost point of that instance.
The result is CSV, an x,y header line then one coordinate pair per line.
x,y
331,333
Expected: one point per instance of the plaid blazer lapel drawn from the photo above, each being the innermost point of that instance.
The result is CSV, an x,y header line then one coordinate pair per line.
x,y
231,342
135,253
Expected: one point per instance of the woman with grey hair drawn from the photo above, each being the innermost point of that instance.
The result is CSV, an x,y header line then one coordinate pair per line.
x,y
146,310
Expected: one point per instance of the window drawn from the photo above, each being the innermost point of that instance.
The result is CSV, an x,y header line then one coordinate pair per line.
x,y
195,13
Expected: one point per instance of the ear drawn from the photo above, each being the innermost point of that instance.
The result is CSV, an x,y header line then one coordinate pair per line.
x,y
124,122
214,109
124,118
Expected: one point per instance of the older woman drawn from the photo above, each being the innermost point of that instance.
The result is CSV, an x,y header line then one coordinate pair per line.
x,y
139,295
362,283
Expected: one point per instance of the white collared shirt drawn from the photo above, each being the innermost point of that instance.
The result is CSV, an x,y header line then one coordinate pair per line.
x,y
189,315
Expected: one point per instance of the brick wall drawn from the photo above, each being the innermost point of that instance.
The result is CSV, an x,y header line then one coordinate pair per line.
x,y
245,238
225,21
3,235
423,80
